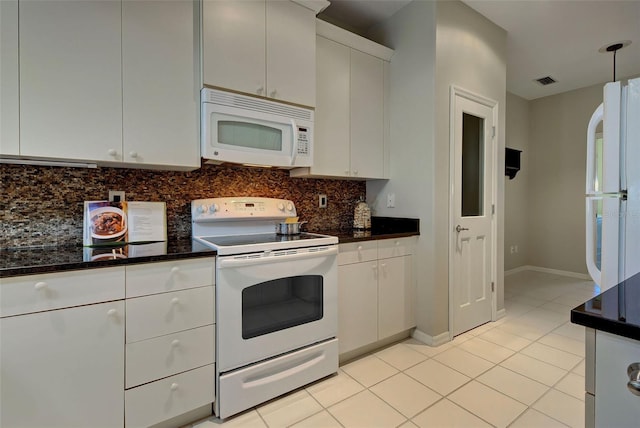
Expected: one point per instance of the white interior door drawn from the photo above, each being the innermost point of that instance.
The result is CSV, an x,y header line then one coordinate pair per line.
x,y
472,250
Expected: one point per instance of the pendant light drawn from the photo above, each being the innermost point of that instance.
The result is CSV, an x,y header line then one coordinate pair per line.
x,y
614,47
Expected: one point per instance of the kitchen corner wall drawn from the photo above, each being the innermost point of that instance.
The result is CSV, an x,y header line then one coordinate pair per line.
x,y
43,206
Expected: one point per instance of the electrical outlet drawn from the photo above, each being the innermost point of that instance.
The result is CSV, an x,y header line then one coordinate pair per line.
x,y
116,195
322,201
391,200
513,249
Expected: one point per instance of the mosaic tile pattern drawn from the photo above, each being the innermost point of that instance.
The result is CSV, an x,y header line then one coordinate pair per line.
x,y
42,205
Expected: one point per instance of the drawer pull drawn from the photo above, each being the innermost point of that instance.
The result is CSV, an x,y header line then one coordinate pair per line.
x,y
397,243
40,285
633,371
175,301
174,386
175,343
175,270
112,312
359,247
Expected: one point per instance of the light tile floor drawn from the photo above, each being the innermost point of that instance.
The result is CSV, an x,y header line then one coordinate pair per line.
x,y
525,370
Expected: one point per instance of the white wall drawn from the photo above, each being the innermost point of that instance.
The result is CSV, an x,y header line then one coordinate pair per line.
x,y
516,191
412,34
557,162
464,49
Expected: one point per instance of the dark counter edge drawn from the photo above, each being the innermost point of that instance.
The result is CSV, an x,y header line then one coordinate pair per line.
x,y
82,265
618,328
605,320
344,238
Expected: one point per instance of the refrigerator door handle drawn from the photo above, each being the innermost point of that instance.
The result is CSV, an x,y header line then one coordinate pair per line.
x,y
592,268
596,118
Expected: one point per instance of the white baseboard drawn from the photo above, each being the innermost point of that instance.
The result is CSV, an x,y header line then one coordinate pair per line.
x,y
547,270
430,340
500,314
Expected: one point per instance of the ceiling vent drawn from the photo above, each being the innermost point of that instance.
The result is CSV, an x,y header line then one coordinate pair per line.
x,y
547,80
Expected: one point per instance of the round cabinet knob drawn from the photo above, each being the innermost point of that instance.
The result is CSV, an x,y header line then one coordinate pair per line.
x,y
346,172
175,301
359,247
133,154
633,371
112,152
175,343
112,312
281,206
202,209
260,90
355,172
175,269
174,386
397,243
40,285
273,93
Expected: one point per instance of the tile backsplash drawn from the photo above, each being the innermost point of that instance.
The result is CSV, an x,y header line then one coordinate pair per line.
x,y
42,205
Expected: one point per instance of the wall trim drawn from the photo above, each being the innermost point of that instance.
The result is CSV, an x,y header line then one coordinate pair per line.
x,y
431,340
547,270
501,313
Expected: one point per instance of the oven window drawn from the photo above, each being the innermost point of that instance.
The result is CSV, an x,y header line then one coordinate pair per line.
x,y
249,135
281,303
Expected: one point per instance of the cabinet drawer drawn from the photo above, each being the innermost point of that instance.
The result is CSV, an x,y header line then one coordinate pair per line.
x,y
164,356
34,293
167,398
163,277
395,247
356,252
166,313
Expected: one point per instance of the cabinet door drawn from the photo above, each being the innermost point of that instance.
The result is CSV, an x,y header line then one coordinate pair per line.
x,y
367,116
615,405
357,305
395,296
331,140
63,368
160,89
234,45
291,52
9,102
70,81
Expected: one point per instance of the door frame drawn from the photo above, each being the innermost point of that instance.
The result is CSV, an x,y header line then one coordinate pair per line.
x,y
456,91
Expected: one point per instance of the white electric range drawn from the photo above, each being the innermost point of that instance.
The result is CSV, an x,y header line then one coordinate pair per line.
x,y
276,300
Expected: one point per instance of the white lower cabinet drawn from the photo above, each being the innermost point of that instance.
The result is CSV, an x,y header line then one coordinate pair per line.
x,y
169,397
375,289
615,404
63,368
75,353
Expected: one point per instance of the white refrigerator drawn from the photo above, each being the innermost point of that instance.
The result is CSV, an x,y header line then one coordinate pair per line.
x,y
613,186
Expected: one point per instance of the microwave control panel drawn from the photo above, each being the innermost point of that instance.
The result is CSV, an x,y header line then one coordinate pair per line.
x,y
303,141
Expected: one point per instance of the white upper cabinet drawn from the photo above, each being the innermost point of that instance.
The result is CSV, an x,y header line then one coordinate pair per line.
x,y
264,48
160,96
351,120
367,116
332,147
112,82
9,102
70,81
233,43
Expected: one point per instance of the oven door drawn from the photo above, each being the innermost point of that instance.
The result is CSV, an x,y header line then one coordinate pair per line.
x,y
271,303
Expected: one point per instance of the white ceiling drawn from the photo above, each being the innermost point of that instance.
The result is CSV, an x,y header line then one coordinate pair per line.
x,y
557,38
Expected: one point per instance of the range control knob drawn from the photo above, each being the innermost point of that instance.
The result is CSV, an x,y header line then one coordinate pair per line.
x,y
202,209
289,207
213,208
281,206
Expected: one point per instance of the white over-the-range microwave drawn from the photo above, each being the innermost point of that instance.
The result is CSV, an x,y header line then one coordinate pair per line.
x,y
253,131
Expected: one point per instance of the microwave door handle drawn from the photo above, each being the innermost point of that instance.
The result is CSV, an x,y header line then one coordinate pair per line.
x,y
294,143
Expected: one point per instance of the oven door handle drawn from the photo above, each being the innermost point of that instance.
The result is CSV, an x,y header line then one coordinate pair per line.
x,y
248,261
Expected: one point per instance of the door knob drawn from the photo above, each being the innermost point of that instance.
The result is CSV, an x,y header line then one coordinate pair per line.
x,y
633,371
460,228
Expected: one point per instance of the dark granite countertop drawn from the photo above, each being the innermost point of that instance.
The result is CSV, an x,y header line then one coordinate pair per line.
x,y
615,311
29,261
